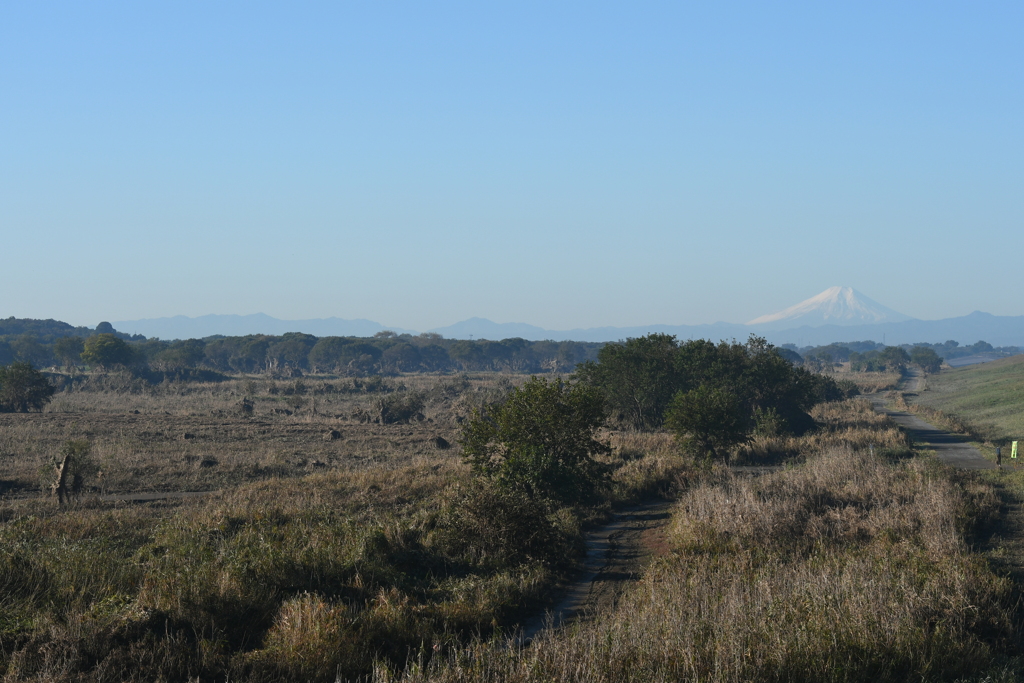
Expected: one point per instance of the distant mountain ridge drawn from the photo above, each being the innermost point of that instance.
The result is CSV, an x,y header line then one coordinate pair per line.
x,y
842,305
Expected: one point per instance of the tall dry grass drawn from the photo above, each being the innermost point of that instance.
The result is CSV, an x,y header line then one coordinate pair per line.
x,y
871,382
848,568
289,572
647,465
250,582
852,423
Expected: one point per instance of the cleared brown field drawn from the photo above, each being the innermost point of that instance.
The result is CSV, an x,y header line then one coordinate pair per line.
x,y
197,437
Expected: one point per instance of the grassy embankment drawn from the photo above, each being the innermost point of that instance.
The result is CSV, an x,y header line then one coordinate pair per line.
x,y
846,568
984,402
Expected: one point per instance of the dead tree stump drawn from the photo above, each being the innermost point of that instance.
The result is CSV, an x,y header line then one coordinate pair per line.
x,y
61,485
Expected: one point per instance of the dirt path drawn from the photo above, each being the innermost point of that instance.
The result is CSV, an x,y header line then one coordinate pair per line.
x,y
616,556
949,448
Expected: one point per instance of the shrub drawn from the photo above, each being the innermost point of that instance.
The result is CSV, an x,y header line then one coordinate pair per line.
x,y
541,440
23,388
926,359
708,421
398,408
73,467
491,526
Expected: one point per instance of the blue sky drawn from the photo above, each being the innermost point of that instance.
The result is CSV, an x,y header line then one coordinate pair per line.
x,y
560,164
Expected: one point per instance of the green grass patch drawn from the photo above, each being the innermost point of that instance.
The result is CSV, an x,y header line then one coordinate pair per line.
x,y
989,396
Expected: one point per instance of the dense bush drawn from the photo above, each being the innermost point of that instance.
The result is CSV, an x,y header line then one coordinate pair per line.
x,y
399,407
709,420
23,388
491,526
541,440
925,358
641,378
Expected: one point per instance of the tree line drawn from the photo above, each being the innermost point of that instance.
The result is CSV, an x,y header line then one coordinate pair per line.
x,y
51,343
869,356
294,352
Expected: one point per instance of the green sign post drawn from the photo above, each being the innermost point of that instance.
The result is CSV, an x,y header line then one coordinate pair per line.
x,y
1013,450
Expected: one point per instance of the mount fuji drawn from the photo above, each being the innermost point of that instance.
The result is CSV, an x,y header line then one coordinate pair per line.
x,y
835,306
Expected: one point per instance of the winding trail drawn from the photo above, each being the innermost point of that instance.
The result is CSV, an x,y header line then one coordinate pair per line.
x,y
949,448
616,556
618,552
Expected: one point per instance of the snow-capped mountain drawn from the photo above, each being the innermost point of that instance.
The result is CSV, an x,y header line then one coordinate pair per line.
x,y
834,306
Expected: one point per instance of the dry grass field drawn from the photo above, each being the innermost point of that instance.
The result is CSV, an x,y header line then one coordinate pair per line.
x,y
869,382
201,437
338,543
850,567
341,528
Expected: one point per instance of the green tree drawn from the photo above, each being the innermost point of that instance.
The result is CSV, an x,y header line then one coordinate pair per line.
x,y
638,377
893,358
434,357
27,349
183,354
401,357
68,351
468,354
327,354
541,440
926,359
23,388
707,421
291,350
641,376
107,351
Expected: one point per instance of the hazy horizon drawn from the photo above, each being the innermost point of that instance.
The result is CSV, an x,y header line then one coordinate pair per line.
x,y
570,166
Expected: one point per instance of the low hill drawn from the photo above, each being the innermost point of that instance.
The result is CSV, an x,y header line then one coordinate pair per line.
x,y
41,330
991,396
